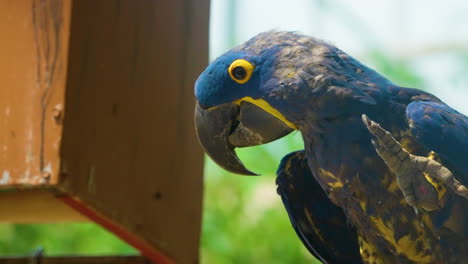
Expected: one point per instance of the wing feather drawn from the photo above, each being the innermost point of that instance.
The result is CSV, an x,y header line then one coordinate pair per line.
x,y
442,129
321,225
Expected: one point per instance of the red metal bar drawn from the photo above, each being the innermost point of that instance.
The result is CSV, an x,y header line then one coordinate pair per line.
x,y
145,249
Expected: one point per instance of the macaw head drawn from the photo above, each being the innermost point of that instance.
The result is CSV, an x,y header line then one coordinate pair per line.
x,y
262,90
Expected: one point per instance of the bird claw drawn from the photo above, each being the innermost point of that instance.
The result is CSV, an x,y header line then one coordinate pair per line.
x,y
412,172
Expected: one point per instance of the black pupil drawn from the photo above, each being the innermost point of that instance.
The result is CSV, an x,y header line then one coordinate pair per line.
x,y
239,73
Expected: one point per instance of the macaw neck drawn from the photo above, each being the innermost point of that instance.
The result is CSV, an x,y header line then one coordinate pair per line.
x,y
303,106
321,82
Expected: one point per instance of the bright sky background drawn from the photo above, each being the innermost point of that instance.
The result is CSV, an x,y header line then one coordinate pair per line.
x,y
425,31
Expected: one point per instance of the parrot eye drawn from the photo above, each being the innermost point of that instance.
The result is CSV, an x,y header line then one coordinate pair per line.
x,y
241,71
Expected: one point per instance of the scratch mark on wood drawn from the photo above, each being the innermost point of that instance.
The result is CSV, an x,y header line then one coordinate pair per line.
x,y
47,21
5,177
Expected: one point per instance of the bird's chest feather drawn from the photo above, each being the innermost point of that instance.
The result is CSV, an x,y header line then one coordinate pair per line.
x,y
346,165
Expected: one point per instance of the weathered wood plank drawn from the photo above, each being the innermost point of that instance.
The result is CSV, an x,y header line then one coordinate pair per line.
x,y
35,206
129,148
33,69
97,105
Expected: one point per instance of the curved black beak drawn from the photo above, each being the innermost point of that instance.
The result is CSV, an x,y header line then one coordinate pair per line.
x,y
223,128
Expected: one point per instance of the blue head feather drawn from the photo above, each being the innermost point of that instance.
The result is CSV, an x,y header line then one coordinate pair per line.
x,y
292,72
215,87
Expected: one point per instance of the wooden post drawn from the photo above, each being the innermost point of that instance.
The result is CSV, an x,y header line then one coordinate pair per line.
x,y
96,108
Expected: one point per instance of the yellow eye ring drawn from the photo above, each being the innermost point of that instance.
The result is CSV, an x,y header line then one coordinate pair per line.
x,y
241,71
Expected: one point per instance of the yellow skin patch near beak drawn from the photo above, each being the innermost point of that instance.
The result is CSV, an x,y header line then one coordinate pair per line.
x,y
268,108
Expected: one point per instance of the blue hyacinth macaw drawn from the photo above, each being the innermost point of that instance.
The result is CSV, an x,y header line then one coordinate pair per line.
x,y
383,172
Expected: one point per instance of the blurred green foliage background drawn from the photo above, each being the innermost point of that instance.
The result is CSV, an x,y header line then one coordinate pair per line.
x,y
244,220
59,239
